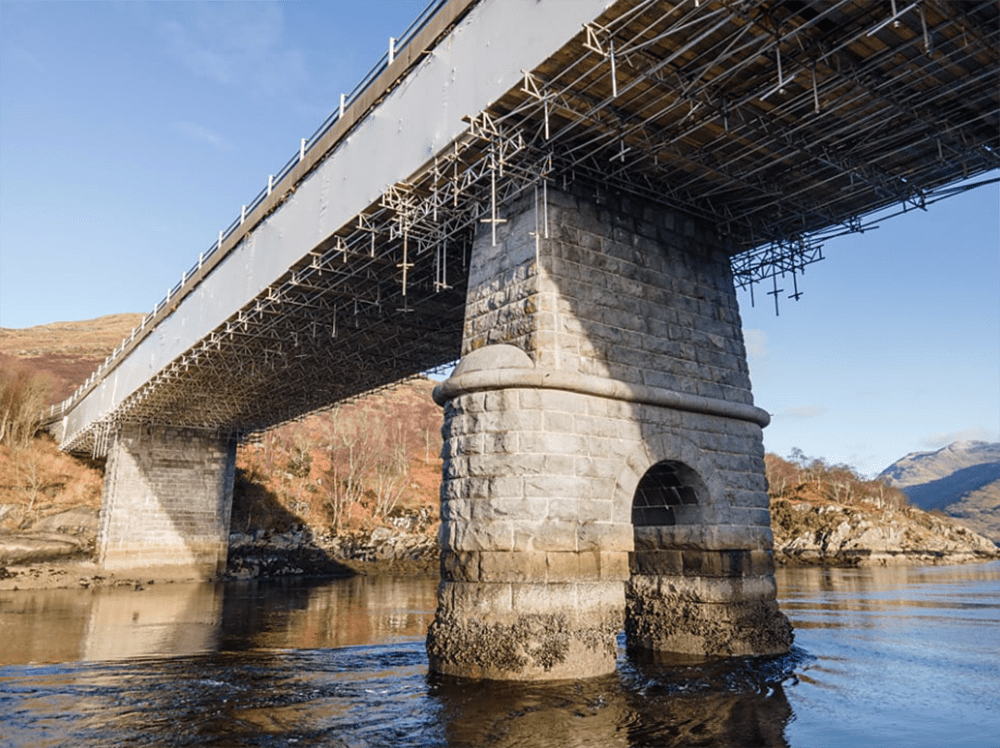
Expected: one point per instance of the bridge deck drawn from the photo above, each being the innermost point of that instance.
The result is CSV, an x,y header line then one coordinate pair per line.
x,y
784,122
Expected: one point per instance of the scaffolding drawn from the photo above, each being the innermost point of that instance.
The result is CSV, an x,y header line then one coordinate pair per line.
x,y
782,123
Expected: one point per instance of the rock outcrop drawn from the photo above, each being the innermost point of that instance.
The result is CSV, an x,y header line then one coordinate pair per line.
x,y
863,535
64,535
301,552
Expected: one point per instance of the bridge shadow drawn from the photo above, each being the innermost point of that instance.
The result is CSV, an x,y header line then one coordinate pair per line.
x,y
267,540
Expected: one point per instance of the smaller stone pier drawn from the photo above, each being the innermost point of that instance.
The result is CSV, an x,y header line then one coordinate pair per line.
x,y
167,501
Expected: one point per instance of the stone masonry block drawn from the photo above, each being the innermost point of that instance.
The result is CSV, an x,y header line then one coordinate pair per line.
x,y
543,599
504,442
505,487
486,466
605,536
481,536
596,510
607,596
563,510
555,421
657,562
547,535
477,598
564,566
459,566
540,442
558,486
562,465
614,565
529,566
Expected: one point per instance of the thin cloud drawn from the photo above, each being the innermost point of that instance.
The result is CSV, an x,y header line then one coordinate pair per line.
x,y
800,412
242,48
756,343
202,134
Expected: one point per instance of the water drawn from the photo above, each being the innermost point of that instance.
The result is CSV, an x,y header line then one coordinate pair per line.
x,y
905,656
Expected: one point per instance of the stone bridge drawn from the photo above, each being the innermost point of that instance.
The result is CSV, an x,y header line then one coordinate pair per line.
x,y
564,196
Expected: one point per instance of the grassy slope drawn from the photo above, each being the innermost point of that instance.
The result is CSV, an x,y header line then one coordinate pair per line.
x,y
66,352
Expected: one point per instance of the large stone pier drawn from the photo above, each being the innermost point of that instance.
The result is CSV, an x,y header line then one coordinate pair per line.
x,y
167,501
603,456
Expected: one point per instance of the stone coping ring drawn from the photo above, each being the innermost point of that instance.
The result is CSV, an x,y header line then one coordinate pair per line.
x,y
510,370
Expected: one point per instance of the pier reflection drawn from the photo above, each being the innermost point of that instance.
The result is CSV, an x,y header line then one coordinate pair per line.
x,y
660,702
115,623
112,623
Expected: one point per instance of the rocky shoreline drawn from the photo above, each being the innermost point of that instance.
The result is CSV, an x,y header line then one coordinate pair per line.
x,y
301,552
828,534
59,556
57,551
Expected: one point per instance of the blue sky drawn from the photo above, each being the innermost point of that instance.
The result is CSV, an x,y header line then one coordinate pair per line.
x,y
131,133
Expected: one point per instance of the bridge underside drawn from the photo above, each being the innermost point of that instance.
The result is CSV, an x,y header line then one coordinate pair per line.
x,y
782,123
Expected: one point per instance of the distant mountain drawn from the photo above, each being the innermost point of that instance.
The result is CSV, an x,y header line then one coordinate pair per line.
x,y
961,480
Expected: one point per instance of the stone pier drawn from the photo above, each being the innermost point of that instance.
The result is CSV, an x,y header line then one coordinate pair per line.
x,y
167,501
603,457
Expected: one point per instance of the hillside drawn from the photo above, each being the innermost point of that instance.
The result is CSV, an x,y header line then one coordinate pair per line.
x,y
360,483
827,514
65,353
962,480
370,468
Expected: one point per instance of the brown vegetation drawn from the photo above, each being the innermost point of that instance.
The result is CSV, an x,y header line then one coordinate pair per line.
x,y
369,463
802,478
23,396
66,352
37,480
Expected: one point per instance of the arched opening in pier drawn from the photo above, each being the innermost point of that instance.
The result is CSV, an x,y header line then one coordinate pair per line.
x,y
668,502
668,494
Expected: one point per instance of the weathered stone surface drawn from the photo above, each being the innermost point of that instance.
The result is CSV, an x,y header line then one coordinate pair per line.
x,y
79,520
167,500
548,646
25,548
617,346
722,629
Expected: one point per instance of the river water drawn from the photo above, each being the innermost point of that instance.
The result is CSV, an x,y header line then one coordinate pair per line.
x,y
906,656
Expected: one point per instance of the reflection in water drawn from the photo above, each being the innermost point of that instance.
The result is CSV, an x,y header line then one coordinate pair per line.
x,y
181,619
108,623
337,613
163,619
893,657
732,703
904,655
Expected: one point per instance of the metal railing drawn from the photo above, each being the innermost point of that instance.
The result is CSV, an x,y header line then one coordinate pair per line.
x,y
396,45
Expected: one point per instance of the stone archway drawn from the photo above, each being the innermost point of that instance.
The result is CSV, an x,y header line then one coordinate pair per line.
x,y
696,587
670,493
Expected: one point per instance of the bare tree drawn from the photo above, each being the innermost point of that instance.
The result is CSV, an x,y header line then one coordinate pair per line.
x,y
23,397
392,472
368,463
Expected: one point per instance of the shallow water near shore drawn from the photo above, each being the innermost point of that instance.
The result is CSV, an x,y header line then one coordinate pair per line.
x,y
899,656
